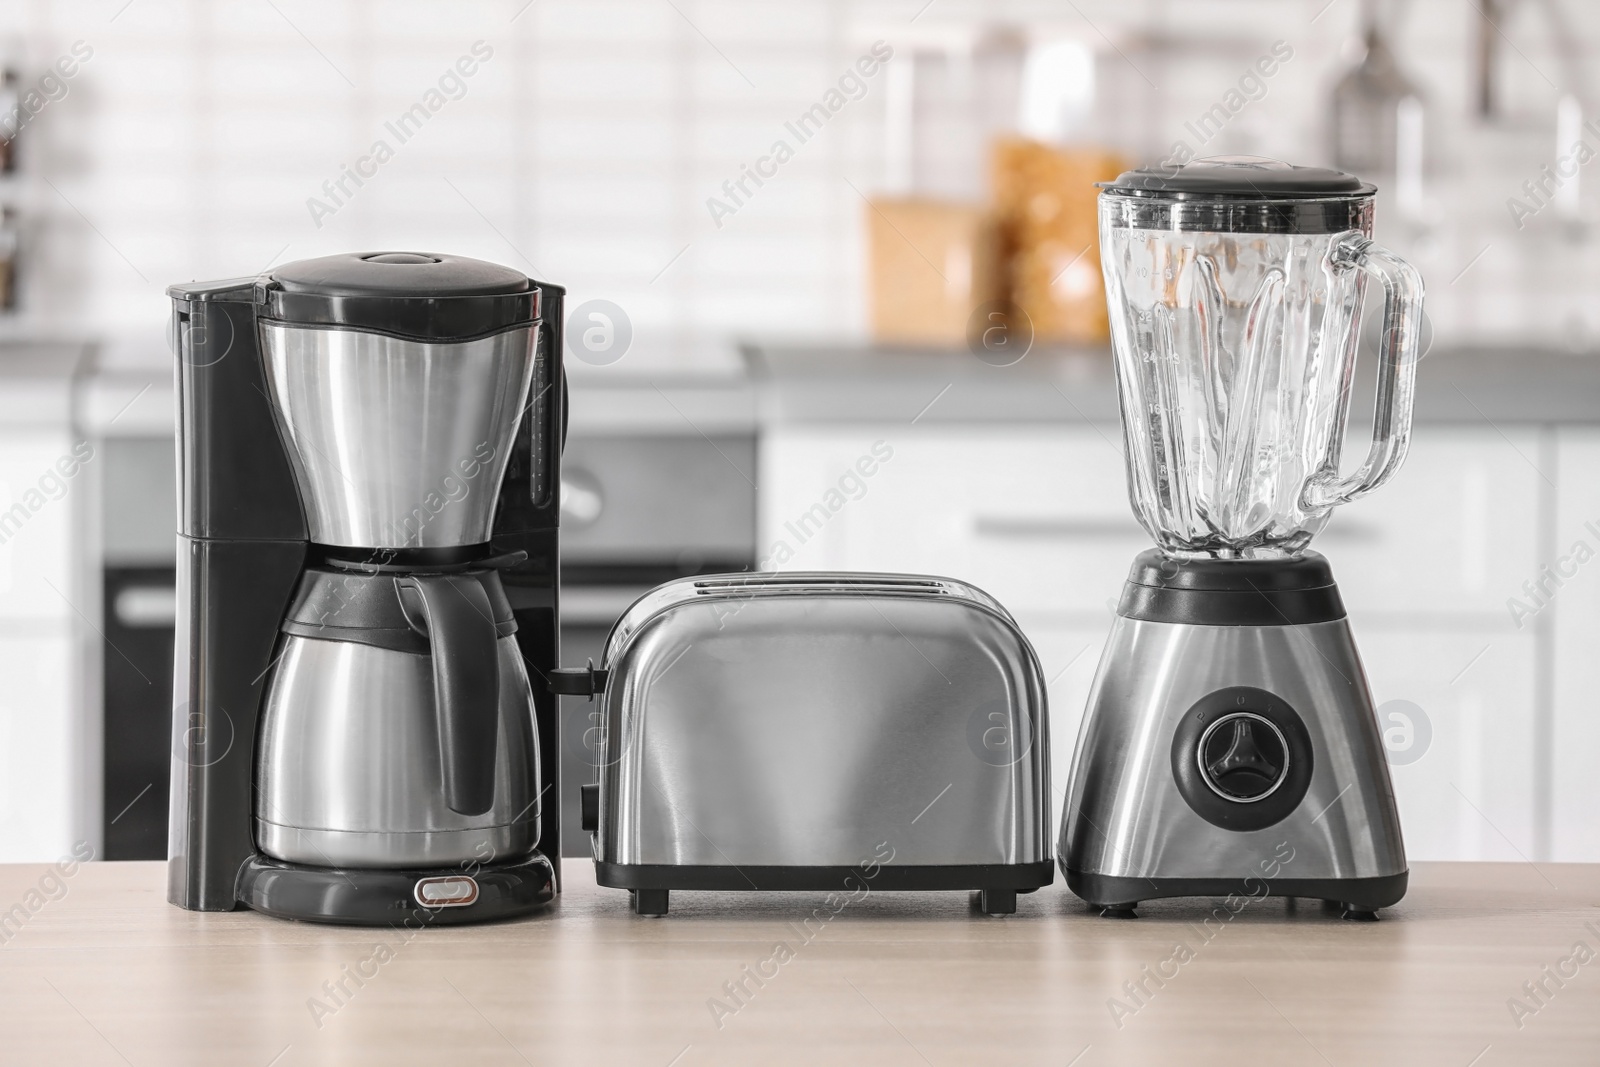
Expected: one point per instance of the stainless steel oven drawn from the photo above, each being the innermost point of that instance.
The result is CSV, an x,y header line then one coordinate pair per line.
x,y
638,509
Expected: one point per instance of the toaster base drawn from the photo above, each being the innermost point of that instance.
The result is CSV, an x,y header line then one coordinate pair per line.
x,y
387,897
1355,895
1015,877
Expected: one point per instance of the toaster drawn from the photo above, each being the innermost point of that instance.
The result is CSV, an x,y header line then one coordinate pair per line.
x,y
818,731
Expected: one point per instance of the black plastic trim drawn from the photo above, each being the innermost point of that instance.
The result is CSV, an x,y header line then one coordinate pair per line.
x,y
1241,816
233,594
589,807
398,274
365,897
365,608
1230,592
1102,890
454,610
889,877
374,560
1252,179
431,320
458,327
577,681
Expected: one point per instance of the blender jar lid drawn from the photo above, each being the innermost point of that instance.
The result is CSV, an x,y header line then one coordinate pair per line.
x,y
1241,194
421,296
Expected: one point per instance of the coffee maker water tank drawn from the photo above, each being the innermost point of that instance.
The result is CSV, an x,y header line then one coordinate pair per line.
x,y
397,442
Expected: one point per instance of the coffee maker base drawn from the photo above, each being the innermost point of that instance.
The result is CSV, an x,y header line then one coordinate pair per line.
x,y
448,896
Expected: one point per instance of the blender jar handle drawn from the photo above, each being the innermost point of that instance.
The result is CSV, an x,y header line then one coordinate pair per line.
x,y
1397,373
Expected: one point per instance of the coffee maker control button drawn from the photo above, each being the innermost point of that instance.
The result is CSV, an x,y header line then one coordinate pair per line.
x,y
448,891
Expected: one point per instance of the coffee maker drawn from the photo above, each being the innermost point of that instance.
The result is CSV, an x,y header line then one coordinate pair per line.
x,y
1230,744
368,467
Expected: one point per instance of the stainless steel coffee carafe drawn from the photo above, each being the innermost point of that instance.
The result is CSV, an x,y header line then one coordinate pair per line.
x,y
398,725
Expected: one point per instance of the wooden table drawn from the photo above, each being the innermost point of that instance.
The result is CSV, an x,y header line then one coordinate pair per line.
x,y
109,973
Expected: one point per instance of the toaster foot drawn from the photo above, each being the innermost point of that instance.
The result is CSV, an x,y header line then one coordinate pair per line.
x,y
1119,911
649,901
997,901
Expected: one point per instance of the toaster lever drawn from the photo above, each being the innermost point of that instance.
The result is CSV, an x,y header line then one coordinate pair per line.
x,y
578,681
589,807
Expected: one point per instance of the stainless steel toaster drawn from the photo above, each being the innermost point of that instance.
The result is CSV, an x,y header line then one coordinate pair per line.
x,y
820,731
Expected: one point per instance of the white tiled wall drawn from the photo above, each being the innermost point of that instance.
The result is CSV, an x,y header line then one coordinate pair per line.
x,y
585,149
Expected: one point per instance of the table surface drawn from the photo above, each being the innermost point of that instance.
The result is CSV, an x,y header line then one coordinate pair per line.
x,y
101,970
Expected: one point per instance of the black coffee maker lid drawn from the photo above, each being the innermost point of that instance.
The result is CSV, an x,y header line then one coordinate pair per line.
x,y
421,296
1254,177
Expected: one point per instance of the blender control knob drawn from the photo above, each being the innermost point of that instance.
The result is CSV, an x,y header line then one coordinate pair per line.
x,y
1243,756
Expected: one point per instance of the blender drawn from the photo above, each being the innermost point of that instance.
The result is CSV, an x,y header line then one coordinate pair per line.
x,y
1230,745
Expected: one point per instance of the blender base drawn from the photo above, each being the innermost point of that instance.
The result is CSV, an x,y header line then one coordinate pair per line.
x,y
381,897
1117,897
1234,752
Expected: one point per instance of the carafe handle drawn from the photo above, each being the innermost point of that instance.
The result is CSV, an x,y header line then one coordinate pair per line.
x,y
453,611
1397,373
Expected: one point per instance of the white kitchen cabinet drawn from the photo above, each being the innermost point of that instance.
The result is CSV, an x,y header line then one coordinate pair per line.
x,y
1451,535
45,761
1039,517
1068,656
36,531
38,745
1574,617
1464,781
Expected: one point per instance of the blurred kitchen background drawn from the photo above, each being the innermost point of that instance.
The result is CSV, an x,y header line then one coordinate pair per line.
x,y
796,234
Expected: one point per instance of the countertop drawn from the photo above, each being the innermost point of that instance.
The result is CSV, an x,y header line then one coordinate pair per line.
x,y
798,384
873,384
108,972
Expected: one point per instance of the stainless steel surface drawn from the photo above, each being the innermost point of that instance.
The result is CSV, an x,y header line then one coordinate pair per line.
x,y
673,495
659,497
802,719
398,444
440,848
1124,815
348,770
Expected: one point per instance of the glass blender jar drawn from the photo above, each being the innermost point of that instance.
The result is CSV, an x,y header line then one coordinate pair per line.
x,y
1235,288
